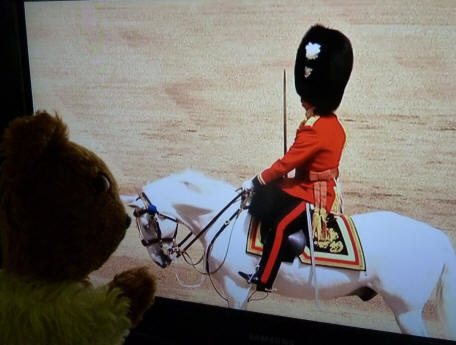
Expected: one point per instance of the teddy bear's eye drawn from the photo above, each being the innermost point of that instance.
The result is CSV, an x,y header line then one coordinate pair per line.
x,y
101,183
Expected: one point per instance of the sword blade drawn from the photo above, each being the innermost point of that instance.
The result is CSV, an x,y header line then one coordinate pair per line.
x,y
285,111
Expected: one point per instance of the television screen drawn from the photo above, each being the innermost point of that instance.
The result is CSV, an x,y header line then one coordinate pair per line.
x,y
186,100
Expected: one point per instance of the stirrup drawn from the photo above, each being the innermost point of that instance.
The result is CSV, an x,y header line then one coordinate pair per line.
x,y
248,277
254,279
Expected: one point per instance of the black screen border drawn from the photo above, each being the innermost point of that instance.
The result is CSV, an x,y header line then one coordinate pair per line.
x,y
17,95
172,321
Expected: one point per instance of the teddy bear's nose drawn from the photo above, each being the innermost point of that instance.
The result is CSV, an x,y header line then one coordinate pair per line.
x,y
128,221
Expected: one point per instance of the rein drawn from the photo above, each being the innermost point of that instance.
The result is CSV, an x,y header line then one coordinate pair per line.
x,y
216,217
151,209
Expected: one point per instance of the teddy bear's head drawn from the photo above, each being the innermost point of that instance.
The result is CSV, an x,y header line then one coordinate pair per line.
x,y
60,214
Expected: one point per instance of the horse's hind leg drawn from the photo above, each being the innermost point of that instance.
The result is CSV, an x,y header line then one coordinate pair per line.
x,y
411,322
408,312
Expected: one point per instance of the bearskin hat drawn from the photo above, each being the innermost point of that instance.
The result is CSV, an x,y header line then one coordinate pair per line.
x,y
323,66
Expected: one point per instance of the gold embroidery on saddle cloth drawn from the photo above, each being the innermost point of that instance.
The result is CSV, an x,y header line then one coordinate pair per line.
x,y
332,241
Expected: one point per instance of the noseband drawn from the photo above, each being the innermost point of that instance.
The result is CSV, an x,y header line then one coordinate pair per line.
x,y
152,211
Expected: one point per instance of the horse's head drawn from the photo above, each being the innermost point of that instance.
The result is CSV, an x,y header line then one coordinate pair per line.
x,y
188,198
157,231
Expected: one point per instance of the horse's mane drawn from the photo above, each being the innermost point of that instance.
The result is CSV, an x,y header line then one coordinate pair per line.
x,y
199,182
190,187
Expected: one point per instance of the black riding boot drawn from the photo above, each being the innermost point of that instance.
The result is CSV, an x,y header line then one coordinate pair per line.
x,y
255,278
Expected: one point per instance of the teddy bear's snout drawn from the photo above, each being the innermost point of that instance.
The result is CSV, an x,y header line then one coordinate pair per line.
x,y
127,222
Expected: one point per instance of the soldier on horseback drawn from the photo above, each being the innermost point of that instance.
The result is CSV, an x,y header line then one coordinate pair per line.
x,y
322,69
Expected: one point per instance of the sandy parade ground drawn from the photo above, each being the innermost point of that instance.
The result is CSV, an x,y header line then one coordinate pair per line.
x,y
156,87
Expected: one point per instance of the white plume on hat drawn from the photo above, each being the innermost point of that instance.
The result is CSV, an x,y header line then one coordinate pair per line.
x,y
312,50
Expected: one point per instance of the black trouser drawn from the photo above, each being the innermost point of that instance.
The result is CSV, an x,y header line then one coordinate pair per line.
x,y
280,215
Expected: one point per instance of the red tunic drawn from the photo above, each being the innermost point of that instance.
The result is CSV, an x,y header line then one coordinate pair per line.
x,y
317,147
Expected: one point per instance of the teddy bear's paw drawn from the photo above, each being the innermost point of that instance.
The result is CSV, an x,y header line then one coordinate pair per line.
x,y
139,286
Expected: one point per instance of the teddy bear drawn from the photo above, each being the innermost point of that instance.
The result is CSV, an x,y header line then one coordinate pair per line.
x,y
61,218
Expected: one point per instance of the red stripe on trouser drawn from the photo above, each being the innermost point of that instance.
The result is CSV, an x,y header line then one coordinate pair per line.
x,y
278,238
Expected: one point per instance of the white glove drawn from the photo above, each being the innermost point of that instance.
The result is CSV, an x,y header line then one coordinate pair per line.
x,y
247,186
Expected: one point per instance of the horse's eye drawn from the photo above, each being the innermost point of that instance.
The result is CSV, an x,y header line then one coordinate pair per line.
x,y
101,183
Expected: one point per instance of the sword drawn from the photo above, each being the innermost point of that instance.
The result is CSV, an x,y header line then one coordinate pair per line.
x,y
284,111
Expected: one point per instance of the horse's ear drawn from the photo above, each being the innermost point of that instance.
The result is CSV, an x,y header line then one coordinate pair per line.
x,y
191,211
132,201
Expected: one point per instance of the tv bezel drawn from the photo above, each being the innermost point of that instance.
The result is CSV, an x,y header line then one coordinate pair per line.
x,y
172,321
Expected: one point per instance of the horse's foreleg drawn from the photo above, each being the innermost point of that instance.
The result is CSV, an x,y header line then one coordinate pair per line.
x,y
411,322
237,296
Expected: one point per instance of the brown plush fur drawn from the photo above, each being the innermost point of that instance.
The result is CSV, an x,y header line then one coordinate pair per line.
x,y
60,218
135,285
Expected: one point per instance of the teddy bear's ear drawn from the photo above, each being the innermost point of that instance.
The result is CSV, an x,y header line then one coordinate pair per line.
x,y
28,138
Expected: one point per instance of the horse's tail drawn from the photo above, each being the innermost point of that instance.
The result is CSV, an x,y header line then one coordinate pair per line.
x,y
446,294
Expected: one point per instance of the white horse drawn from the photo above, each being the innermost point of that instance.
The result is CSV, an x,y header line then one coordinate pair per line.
x,y
405,259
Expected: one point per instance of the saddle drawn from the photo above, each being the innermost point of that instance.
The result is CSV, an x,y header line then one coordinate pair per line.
x,y
296,242
341,249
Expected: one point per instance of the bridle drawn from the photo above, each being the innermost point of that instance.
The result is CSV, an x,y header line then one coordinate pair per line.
x,y
152,211
176,248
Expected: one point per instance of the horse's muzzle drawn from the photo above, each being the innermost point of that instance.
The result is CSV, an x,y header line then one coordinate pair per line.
x,y
165,260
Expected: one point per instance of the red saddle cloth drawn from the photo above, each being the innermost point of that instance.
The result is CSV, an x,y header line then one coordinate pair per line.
x,y
341,249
